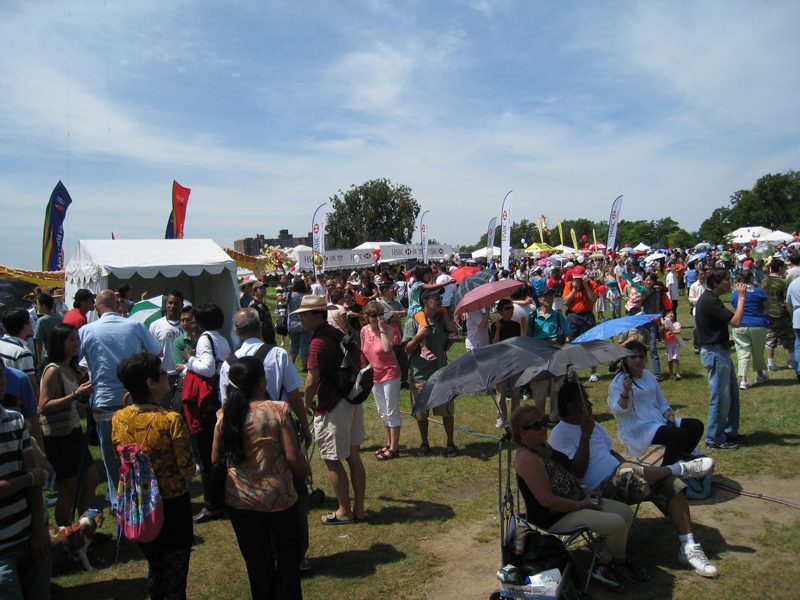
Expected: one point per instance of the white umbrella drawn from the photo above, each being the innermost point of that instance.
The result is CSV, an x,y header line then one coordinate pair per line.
x,y
655,256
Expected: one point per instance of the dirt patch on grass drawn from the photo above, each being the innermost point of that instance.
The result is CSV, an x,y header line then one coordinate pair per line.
x,y
734,530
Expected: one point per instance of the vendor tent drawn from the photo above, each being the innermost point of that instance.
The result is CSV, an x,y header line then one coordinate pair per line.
x,y
483,253
747,234
642,247
776,237
200,269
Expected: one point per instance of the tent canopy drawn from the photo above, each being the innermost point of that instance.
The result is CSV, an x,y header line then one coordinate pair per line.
x,y
746,234
642,247
482,253
777,236
200,269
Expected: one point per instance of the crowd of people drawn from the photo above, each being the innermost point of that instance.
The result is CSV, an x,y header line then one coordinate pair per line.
x,y
240,416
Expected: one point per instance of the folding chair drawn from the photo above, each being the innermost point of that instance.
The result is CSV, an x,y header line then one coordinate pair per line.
x,y
652,451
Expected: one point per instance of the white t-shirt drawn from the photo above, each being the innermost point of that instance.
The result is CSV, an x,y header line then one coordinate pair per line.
x,y
566,438
166,332
672,285
447,295
792,274
477,336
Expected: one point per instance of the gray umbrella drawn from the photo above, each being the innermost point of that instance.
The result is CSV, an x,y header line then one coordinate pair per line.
x,y
535,359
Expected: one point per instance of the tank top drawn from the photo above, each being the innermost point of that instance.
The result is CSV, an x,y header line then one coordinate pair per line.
x,y
61,422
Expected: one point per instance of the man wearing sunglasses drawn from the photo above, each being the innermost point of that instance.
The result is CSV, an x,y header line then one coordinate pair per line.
x,y
602,470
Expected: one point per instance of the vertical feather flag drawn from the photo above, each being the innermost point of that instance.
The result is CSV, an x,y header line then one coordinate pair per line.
x,y
490,239
574,239
505,231
180,198
561,232
53,236
318,239
423,227
613,223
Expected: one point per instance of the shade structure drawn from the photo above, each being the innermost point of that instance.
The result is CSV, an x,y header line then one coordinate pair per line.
x,y
481,368
603,331
486,295
470,283
534,248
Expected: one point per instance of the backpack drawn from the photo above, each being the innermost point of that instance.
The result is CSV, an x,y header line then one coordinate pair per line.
x,y
698,488
140,511
353,377
260,354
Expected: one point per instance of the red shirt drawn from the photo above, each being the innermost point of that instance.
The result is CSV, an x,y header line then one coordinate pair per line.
x,y
322,358
75,317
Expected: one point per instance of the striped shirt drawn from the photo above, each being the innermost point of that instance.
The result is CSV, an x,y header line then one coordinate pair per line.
x,y
16,353
15,513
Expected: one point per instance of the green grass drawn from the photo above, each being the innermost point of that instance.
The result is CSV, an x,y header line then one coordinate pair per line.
x,y
410,500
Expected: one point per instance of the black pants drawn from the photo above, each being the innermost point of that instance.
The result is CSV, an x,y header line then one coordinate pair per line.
x,y
678,440
205,441
252,529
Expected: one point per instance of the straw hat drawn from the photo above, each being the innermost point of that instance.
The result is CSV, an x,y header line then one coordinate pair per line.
x,y
311,302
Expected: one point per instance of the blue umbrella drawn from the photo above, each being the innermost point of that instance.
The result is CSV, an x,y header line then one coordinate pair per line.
x,y
614,327
694,257
472,282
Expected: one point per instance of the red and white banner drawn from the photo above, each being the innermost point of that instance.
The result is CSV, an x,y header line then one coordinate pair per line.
x,y
180,198
423,227
490,239
505,231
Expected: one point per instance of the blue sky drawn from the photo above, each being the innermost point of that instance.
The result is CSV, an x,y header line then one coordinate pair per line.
x,y
266,109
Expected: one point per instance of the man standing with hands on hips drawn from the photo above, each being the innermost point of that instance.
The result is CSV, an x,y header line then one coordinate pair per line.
x,y
722,432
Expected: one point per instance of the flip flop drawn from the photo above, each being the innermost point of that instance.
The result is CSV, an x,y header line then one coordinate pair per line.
x,y
678,377
452,452
423,450
332,519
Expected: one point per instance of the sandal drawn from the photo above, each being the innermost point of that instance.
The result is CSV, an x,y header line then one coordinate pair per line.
x,y
388,455
678,377
452,452
427,354
383,450
332,519
423,450
454,336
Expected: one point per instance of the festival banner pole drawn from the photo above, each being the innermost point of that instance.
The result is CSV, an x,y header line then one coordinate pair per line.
x,y
561,233
53,235
541,233
423,227
490,240
505,230
613,222
318,240
574,240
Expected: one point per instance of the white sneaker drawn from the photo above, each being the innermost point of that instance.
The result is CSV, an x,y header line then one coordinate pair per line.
x,y
499,423
693,556
762,378
594,378
792,364
745,385
699,467
773,368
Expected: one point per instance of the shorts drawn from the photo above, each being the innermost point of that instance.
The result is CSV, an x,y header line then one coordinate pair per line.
x,y
339,430
673,353
64,453
780,332
627,484
445,410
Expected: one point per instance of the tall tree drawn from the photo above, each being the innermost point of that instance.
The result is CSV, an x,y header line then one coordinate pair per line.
x,y
716,227
375,211
773,202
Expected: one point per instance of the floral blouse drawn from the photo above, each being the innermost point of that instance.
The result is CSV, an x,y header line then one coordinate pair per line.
x,y
263,482
168,445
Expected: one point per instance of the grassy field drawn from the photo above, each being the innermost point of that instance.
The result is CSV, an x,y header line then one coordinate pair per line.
x,y
413,504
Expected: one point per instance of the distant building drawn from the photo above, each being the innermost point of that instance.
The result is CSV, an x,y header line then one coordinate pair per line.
x,y
252,246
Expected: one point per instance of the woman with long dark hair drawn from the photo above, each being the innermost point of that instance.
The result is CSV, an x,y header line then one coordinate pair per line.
x,y
164,438
61,398
257,439
300,338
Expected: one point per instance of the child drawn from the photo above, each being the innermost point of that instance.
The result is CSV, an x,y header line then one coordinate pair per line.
x,y
672,341
423,274
613,296
600,303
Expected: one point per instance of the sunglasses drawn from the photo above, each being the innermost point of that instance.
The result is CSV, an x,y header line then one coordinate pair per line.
x,y
536,426
639,356
505,308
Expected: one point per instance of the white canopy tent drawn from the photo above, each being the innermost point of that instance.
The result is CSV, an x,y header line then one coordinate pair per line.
x,y
642,247
776,237
200,269
747,234
482,253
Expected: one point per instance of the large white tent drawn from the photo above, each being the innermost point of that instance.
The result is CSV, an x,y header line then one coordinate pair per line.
x,y
200,269
483,253
747,234
777,237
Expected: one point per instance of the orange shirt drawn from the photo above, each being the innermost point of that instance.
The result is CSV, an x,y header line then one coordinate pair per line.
x,y
680,271
580,301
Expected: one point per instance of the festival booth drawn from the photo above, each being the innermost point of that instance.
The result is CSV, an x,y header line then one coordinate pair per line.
x,y
198,268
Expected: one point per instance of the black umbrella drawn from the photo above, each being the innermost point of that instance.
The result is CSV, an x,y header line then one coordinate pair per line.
x,y
482,368
13,292
658,246
535,359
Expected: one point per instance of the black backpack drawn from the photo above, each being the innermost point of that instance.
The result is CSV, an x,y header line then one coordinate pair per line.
x,y
353,377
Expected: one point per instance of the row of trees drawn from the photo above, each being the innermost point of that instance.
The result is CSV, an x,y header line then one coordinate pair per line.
x,y
381,211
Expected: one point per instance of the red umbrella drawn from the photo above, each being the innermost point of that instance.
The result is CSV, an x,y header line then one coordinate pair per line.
x,y
486,295
461,273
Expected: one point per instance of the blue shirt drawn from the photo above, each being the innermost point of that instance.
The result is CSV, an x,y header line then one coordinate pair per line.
x,y
104,343
19,384
690,277
753,308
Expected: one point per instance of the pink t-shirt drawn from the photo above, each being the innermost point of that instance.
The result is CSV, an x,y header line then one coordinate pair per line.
x,y
384,364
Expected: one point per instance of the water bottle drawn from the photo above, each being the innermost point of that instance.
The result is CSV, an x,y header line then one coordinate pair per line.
x,y
750,288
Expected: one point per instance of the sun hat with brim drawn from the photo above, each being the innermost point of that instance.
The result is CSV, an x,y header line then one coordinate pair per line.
x,y
245,282
311,302
258,284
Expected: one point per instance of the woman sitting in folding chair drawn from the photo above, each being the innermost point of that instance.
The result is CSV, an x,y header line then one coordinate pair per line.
x,y
644,417
557,502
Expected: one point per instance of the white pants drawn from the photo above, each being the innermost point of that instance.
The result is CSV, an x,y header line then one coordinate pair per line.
x,y
387,401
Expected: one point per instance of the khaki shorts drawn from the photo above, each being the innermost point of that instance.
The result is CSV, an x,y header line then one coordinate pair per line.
x,y
627,484
446,410
339,430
